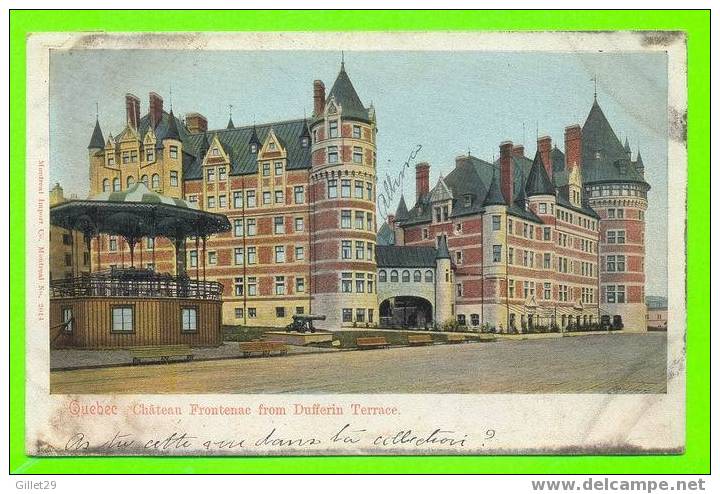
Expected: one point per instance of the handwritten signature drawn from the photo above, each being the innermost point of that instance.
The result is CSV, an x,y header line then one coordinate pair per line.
x,y
391,184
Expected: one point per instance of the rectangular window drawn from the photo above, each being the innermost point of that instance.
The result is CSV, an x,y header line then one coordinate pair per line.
x,y
134,156
497,253
357,154
251,255
252,312
279,199
122,318
299,253
279,253
546,260
370,315
279,311
458,257
222,173
251,201
620,265
299,224
511,255
345,218
126,157
173,152
278,168
222,201
346,249
266,197
189,320
359,315
212,257
67,319
425,233
547,233
193,258
359,189
239,313
211,202
266,169
279,285
210,174
356,132
496,222
113,245
359,250
346,283
369,221
238,227
610,264
237,199
359,220
547,291
369,190
333,128
542,208
279,225
347,315
251,227
511,288
252,288
510,226
344,188
174,178
359,282
332,188
299,192
370,251
238,287
299,285
332,154
239,255
370,282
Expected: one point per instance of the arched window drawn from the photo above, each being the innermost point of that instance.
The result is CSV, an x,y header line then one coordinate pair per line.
x,y
155,181
406,276
428,276
130,181
144,179
417,276
393,276
116,184
382,276
106,185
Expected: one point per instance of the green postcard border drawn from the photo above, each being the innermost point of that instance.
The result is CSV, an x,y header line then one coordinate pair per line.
x,y
696,24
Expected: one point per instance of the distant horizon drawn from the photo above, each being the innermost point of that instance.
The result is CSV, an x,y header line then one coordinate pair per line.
x,y
450,103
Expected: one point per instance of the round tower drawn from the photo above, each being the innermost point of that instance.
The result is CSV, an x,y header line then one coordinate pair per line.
x,y
342,191
444,299
615,188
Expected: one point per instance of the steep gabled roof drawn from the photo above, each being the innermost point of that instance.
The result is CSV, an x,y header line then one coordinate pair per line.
x,y
442,250
402,211
385,236
604,158
345,95
494,196
402,256
172,128
97,141
538,182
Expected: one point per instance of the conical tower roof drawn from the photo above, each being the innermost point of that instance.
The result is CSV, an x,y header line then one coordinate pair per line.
x,y
345,95
172,130
494,195
538,182
402,210
230,124
627,146
442,250
97,141
639,160
254,138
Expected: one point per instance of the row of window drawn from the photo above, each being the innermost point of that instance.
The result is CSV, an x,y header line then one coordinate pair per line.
x,y
248,226
131,156
359,313
249,287
579,220
122,319
362,220
363,250
617,190
248,255
544,289
357,283
252,312
268,198
417,276
130,181
333,129
349,188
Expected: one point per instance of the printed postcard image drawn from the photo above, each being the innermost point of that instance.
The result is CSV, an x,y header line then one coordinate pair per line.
x,y
337,244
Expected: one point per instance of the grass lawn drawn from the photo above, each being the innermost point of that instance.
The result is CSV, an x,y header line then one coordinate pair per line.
x,y
245,333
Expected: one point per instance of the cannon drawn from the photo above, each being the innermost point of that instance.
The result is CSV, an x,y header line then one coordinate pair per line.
x,y
303,322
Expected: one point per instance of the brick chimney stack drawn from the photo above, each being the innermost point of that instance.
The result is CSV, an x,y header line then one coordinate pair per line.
x,y
544,145
156,109
518,151
507,169
132,110
196,123
318,97
422,179
573,147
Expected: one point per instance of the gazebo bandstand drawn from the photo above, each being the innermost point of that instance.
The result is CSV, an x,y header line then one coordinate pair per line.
x,y
125,307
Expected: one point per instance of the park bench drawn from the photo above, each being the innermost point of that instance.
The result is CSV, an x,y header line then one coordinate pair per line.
x,y
420,339
160,352
371,342
264,348
456,338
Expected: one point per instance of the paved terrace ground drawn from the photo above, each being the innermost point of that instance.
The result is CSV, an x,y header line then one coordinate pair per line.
x,y
618,363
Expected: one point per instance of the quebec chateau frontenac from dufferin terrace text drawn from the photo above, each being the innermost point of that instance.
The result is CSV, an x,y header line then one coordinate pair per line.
x,y
552,237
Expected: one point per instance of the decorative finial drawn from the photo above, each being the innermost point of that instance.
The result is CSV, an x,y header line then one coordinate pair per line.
x,y
171,106
595,79
230,107
97,111
523,140
342,60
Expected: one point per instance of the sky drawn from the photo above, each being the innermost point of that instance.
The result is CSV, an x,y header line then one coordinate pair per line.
x,y
450,103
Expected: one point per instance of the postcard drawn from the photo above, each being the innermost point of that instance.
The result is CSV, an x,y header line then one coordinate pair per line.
x,y
377,243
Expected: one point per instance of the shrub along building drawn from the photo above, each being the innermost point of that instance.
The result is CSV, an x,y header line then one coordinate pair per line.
x,y
557,240
299,194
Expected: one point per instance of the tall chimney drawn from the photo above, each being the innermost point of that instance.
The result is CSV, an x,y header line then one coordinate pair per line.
x,y
544,145
422,179
518,151
318,97
573,147
156,109
196,123
507,168
132,110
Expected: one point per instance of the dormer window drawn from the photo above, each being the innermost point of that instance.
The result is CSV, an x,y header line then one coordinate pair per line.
x,y
305,142
253,148
597,154
468,201
173,152
111,160
271,146
333,128
216,152
150,155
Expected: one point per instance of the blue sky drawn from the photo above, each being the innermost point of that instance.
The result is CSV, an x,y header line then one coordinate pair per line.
x,y
447,102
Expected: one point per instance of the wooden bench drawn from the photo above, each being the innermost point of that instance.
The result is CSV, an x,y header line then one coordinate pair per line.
x,y
263,348
456,338
371,342
419,339
160,352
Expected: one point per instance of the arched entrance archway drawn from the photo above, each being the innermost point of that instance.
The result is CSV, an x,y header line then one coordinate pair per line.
x,y
406,312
